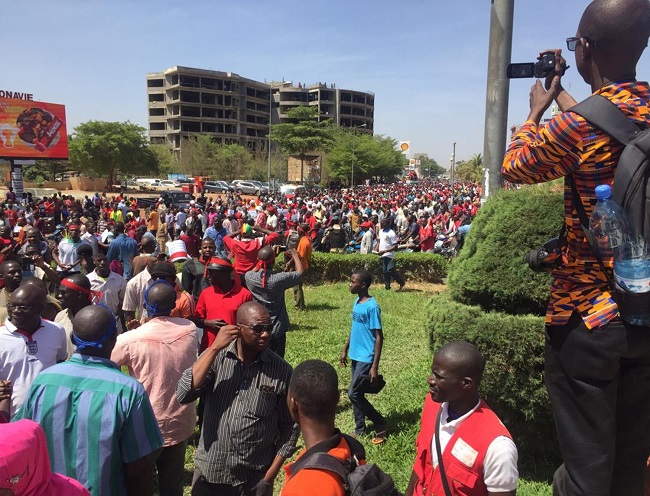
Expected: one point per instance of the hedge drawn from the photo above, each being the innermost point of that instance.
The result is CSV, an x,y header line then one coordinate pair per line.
x,y
332,267
490,270
513,383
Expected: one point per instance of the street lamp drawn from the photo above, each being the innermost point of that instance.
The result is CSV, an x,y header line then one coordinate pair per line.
x,y
353,155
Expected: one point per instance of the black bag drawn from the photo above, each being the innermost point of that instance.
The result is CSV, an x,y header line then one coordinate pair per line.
x,y
363,384
358,480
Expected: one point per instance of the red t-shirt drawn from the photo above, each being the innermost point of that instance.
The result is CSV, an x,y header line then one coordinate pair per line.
x,y
246,251
11,216
213,304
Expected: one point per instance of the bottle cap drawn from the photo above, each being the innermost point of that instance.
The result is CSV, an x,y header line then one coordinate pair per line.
x,y
603,192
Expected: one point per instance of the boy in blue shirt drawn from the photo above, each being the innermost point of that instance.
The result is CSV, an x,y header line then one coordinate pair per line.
x,y
364,348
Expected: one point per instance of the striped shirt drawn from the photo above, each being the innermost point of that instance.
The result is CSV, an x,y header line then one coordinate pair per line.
x,y
568,145
95,419
246,421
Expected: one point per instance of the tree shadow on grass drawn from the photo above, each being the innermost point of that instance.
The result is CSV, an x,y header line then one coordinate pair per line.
x,y
302,327
398,421
322,306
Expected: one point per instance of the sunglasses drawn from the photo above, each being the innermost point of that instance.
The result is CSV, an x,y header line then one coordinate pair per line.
x,y
572,43
259,328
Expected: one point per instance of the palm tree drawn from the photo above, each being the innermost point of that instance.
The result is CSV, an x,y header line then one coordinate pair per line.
x,y
470,170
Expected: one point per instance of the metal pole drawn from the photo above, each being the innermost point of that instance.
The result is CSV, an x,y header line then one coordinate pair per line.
x,y
498,87
453,164
268,175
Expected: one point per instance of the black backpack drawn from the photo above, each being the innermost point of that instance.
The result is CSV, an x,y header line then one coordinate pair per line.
x,y
631,187
358,480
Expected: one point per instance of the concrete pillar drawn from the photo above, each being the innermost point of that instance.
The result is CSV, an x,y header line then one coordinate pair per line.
x,y
498,86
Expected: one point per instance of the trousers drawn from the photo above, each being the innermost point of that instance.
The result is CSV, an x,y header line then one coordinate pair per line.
x,y
361,407
170,465
598,382
388,267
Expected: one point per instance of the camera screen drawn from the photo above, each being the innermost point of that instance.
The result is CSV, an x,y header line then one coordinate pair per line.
x,y
515,71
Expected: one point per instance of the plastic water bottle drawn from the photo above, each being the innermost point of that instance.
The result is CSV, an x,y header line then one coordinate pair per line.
x,y
614,237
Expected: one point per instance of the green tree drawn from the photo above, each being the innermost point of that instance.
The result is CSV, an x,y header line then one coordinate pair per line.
x,y
166,161
470,170
303,134
107,148
428,166
235,161
365,155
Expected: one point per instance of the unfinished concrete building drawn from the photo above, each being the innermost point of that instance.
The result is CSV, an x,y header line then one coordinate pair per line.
x,y
183,101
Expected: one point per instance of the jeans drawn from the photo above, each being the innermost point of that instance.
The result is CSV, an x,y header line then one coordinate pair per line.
x,y
599,385
170,465
361,407
388,266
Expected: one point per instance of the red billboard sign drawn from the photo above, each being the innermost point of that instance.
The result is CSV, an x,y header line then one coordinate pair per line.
x,y
32,129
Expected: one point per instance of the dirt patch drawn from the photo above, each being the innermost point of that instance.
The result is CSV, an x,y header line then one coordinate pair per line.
x,y
425,287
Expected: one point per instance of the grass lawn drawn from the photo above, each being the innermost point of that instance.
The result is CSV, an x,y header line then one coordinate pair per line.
x,y
321,331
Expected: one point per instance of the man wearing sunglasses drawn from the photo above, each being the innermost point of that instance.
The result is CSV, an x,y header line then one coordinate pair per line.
x,y
597,368
247,431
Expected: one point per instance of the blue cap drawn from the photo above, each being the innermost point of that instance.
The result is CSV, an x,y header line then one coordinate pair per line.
x,y
603,192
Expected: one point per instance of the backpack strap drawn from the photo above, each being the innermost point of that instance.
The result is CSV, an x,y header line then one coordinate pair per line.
x,y
606,116
320,459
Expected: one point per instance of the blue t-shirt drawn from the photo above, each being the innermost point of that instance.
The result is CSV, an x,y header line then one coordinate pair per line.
x,y
366,317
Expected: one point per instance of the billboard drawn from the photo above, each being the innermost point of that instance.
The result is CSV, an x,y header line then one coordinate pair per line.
x,y
404,147
31,130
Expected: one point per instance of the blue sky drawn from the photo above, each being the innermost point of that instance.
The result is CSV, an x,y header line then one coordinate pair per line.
x,y
425,60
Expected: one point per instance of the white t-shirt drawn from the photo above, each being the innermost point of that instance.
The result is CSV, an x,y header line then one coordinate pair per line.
x,y
68,252
134,294
21,362
113,289
91,239
500,462
387,239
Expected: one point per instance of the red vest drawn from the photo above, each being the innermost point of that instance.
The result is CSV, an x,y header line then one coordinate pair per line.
x,y
473,436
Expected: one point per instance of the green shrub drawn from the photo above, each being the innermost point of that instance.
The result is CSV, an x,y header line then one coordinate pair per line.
x,y
490,270
513,383
332,267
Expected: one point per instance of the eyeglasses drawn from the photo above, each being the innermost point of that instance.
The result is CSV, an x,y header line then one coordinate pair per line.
x,y
259,328
572,43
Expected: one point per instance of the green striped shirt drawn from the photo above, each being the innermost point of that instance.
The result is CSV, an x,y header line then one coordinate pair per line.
x,y
95,419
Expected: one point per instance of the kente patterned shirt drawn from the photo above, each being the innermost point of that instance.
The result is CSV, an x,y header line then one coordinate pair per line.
x,y
568,145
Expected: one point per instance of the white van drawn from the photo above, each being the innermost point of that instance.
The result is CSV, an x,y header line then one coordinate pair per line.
x,y
148,183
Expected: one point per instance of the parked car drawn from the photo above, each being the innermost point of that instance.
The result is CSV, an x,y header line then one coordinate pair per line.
x,y
247,187
178,199
166,184
218,187
292,190
40,193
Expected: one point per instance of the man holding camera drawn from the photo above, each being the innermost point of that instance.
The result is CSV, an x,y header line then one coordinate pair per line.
x,y
597,367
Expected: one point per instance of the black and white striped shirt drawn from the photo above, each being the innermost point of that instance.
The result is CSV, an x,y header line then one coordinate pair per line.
x,y
246,421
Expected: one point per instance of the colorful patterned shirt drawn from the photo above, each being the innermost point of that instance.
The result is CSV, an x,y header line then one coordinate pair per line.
x,y
95,419
568,145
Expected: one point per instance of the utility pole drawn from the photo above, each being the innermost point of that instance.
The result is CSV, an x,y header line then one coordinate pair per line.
x,y
268,172
453,164
498,87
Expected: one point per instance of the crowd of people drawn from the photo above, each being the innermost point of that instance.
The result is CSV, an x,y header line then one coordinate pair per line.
x,y
94,284
209,341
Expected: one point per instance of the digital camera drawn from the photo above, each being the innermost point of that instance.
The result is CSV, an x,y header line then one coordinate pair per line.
x,y
548,257
540,69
